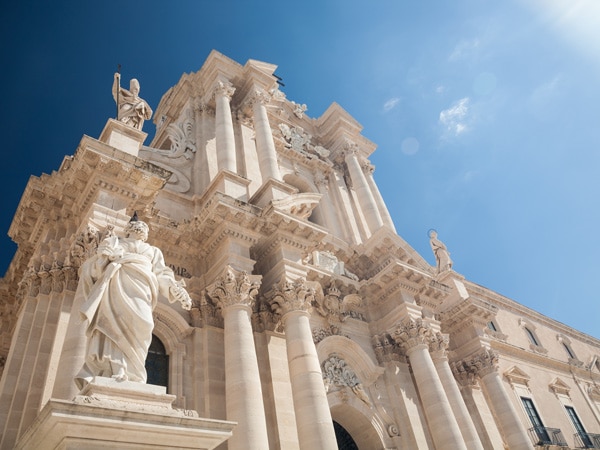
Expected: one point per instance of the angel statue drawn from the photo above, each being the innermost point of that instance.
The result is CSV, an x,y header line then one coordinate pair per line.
x,y
119,288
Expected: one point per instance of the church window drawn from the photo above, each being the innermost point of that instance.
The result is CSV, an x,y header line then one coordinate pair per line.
x,y
531,336
585,438
157,363
569,351
536,421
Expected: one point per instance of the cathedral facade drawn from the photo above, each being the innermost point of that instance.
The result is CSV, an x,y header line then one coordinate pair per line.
x,y
313,324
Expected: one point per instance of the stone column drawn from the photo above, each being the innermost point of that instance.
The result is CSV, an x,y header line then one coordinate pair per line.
x,y
438,347
327,207
235,293
511,427
359,182
368,169
414,336
292,300
265,146
226,159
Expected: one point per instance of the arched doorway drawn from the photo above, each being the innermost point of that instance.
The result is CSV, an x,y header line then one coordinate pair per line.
x,y
157,363
343,438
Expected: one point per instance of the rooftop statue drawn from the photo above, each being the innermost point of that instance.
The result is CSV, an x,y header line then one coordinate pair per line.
x,y
119,288
442,255
132,110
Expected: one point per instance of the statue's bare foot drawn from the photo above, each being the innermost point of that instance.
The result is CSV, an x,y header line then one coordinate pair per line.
x,y
120,375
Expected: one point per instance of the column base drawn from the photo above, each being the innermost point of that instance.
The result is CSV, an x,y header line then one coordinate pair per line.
x,y
271,190
123,137
230,184
108,414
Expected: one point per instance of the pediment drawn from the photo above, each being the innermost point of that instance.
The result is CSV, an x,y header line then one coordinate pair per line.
x,y
517,376
558,386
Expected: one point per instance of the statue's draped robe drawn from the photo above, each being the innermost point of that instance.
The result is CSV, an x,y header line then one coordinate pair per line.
x,y
132,109
118,298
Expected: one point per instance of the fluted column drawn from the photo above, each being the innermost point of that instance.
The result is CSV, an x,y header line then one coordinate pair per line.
x,y
385,214
511,427
413,336
235,293
438,346
226,159
265,146
315,427
359,182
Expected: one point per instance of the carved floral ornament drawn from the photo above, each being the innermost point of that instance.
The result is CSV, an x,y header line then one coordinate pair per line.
x,y
468,371
337,374
287,296
224,88
412,332
299,140
235,288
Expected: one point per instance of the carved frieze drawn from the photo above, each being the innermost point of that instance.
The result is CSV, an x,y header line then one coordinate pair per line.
x,y
299,140
337,374
336,307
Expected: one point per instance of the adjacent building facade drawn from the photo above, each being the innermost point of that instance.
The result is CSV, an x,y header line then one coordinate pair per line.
x,y
314,324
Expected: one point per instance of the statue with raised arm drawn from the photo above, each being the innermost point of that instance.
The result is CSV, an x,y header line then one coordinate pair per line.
x,y
119,288
442,255
132,110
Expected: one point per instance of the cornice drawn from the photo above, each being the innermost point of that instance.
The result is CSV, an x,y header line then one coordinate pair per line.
x,y
523,310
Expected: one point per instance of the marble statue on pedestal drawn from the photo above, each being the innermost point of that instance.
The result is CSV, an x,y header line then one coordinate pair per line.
x,y
442,255
119,288
132,110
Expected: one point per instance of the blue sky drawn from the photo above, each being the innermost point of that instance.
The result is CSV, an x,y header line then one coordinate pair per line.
x,y
486,114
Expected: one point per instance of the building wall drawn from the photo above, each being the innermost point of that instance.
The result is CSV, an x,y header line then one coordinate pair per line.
x,y
405,356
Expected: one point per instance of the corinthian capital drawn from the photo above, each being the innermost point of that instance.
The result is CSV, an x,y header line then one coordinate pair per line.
x,y
288,296
411,333
350,149
234,288
438,345
257,96
224,88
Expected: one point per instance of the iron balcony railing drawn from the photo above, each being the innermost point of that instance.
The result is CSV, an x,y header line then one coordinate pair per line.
x,y
547,436
587,440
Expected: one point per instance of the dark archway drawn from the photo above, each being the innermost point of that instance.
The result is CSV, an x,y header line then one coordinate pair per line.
x,y
343,438
157,364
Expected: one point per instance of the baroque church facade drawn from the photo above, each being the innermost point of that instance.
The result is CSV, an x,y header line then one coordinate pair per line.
x,y
313,324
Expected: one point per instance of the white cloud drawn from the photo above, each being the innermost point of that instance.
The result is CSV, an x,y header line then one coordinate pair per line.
x,y
454,118
391,104
440,89
464,49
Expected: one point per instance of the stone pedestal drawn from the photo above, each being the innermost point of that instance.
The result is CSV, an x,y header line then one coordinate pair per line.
x,y
108,414
123,137
272,190
230,184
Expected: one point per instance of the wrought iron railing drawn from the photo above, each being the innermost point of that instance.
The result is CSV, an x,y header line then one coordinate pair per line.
x,y
587,440
547,436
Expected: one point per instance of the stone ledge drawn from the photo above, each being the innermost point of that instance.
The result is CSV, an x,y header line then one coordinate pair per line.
x,y
108,414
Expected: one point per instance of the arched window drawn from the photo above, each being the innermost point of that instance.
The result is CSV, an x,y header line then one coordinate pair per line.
x,y
343,438
157,364
531,336
568,350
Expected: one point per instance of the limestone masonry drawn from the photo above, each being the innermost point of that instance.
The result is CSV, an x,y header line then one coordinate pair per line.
x,y
312,324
